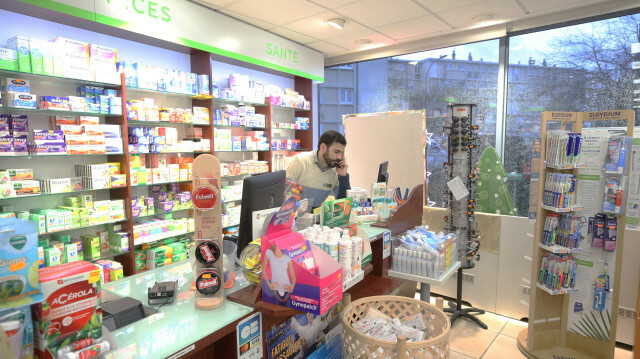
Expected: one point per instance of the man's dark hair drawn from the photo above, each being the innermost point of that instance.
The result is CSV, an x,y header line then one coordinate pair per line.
x,y
329,137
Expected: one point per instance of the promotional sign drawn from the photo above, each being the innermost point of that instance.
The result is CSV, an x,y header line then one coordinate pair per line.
x,y
386,244
250,337
190,24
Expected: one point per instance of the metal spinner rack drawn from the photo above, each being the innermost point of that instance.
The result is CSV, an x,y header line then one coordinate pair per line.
x,y
460,218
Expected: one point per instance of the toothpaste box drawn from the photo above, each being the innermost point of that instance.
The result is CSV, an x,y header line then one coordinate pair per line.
x,y
71,309
23,100
13,85
35,47
6,145
47,149
8,59
20,45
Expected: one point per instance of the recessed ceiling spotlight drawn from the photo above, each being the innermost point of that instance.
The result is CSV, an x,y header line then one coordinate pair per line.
x,y
337,22
483,17
363,42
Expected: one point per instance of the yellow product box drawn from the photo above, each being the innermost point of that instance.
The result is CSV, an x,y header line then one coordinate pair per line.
x,y
102,217
118,181
19,174
174,173
102,205
117,216
184,174
133,179
114,168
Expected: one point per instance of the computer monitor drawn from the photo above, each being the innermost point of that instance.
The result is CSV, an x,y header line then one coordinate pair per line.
x,y
383,176
258,192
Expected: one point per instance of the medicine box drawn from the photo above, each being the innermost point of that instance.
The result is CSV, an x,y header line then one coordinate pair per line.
x,y
20,45
8,59
35,48
14,85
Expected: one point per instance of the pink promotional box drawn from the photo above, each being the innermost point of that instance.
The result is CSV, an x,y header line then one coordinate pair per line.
x,y
296,273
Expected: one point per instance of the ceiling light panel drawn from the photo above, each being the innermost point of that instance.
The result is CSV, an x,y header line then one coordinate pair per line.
x,y
279,12
374,13
415,27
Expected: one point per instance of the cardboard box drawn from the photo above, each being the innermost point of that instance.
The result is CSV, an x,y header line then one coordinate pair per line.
x,y
71,307
318,282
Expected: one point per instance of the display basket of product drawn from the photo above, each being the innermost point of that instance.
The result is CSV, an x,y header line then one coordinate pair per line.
x,y
394,327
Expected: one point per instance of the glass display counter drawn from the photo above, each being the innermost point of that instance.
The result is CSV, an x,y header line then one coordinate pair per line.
x,y
175,327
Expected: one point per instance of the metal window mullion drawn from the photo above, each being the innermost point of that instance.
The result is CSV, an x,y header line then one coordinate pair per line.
x,y
501,113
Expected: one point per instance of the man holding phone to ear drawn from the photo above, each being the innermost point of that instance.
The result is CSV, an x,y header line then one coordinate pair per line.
x,y
323,172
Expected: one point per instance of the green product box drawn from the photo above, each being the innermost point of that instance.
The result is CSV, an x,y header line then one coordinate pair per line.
x,y
177,248
6,209
23,215
43,242
40,222
35,48
52,257
72,202
75,219
86,201
8,59
47,58
20,45
179,257
70,252
90,247
85,219
64,238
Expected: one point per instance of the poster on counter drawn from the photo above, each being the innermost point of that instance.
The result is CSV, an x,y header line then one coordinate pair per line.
x,y
249,337
589,314
306,335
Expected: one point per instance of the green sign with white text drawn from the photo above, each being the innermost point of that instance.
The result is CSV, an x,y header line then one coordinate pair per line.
x,y
195,26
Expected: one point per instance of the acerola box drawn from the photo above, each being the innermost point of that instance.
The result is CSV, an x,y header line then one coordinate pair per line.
x,y
71,308
316,288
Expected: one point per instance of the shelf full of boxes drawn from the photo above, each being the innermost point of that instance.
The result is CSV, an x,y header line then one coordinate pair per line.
x,y
131,144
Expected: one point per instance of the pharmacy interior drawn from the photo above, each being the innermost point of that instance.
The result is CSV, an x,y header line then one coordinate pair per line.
x,y
145,211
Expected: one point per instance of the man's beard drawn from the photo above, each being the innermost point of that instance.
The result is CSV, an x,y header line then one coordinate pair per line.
x,y
330,163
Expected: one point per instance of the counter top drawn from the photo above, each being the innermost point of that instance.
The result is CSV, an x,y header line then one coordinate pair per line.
x,y
176,325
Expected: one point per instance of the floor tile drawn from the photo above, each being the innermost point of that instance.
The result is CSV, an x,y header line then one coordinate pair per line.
x,y
469,339
495,323
513,328
623,354
456,355
503,347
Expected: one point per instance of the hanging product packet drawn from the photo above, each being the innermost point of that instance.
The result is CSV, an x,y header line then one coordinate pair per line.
x,y
19,283
18,326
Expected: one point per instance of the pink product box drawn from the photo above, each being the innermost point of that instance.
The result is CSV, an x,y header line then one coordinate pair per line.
x,y
49,135
318,277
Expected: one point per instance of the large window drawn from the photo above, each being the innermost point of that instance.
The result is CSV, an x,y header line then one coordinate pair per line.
x,y
424,81
585,67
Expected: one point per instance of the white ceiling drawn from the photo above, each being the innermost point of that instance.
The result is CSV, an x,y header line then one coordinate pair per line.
x,y
387,23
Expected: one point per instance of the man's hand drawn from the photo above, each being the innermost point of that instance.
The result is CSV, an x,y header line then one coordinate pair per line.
x,y
342,167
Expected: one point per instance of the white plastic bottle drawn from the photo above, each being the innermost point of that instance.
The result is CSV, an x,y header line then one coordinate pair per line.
x,y
403,260
429,265
345,255
425,265
356,255
395,259
332,247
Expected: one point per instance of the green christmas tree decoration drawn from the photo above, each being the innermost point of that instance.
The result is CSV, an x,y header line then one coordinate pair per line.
x,y
492,194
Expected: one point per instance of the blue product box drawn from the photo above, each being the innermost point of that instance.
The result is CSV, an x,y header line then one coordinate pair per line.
x,y
143,148
94,107
136,131
55,99
133,148
111,92
115,110
130,70
23,100
114,101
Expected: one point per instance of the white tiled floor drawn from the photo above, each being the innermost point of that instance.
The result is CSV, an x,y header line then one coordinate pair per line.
x,y
468,340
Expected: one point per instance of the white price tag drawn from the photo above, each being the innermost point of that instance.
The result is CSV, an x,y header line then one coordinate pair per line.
x,y
386,244
458,188
249,333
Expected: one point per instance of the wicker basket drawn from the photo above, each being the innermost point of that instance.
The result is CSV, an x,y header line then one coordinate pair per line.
x,y
358,345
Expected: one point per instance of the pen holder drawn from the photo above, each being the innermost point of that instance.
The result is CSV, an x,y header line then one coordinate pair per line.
x,y
208,266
